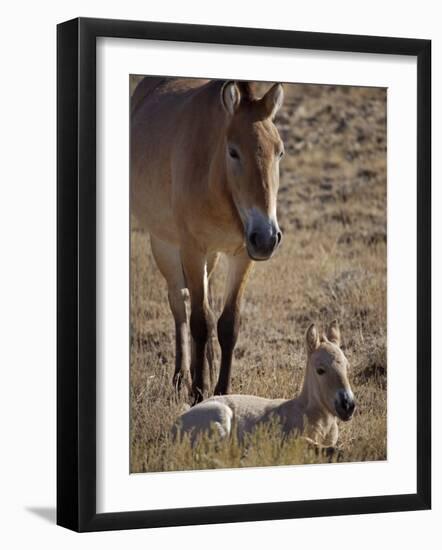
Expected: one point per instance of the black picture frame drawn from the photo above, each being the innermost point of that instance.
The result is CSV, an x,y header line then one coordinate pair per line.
x,y
76,274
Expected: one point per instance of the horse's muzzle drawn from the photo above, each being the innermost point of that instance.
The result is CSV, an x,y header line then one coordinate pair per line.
x,y
345,405
262,242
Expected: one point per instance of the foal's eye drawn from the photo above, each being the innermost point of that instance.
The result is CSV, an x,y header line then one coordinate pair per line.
x,y
320,370
233,153
281,154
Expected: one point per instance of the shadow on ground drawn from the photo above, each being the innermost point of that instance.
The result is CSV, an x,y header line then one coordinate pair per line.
x,y
45,512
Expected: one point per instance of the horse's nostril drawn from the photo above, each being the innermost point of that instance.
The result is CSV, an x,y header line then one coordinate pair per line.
x,y
264,242
254,239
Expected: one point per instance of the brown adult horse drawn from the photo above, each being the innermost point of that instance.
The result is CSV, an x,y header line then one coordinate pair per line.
x,y
205,175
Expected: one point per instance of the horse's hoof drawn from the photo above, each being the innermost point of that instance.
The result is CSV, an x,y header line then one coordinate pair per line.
x,y
196,396
181,382
177,382
219,390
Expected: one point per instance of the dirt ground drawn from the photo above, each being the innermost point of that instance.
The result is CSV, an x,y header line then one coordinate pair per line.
x,y
331,264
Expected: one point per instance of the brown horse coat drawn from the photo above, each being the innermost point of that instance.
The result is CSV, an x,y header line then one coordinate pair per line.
x,y
204,180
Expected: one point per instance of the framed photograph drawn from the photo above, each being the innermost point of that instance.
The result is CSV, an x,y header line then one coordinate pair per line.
x,y
243,274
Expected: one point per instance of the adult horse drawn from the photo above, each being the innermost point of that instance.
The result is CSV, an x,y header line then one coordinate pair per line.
x,y
204,180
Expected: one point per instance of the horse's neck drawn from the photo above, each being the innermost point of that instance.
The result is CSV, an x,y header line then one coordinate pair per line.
x,y
209,98
218,175
305,412
219,196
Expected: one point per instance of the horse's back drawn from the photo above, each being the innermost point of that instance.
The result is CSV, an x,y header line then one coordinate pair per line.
x,y
155,106
165,117
144,88
155,91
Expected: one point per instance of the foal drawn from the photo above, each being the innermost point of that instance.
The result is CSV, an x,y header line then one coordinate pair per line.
x,y
325,396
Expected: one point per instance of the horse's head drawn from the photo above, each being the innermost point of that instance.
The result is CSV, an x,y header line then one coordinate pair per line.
x,y
327,372
253,150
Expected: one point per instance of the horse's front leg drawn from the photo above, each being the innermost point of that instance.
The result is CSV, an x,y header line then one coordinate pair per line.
x,y
201,316
168,260
229,322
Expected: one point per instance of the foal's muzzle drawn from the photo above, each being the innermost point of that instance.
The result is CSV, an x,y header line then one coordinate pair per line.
x,y
344,405
262,241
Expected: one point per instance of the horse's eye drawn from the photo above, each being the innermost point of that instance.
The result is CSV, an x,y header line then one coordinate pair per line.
x,y
320,370
281,153
233,153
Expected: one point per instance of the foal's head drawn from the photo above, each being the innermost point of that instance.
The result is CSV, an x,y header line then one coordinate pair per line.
x,y
327,372
253,150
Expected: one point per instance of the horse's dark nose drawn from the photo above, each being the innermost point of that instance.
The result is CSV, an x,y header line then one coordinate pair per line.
x,y
345,405
261,243
348,405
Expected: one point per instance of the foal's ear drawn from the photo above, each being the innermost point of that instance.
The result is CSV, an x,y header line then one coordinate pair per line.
x,y
312,338
333,333
230,96
272,101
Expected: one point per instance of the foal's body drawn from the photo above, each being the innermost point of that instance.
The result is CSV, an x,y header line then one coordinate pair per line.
x,y
204,180
246,412
324,398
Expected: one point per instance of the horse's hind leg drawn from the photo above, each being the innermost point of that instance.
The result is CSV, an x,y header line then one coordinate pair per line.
x,y
168,261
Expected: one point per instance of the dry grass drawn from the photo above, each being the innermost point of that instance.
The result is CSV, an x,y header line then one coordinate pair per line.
x,y
332,264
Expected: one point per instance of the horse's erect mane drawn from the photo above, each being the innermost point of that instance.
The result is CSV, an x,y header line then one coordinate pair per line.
x,y
247,89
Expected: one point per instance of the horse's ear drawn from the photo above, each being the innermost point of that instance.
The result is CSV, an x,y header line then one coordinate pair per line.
x,y
333,333
312,338
230,96
272,101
